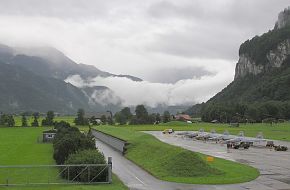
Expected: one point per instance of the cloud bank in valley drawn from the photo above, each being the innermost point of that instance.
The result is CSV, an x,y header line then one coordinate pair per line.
x,y
130,93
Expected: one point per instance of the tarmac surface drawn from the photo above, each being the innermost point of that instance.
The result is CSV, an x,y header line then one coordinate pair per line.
x,y
274,166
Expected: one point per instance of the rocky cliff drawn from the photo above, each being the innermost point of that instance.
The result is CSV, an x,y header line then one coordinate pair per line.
x,y
274,59
263,70
283,19
263,53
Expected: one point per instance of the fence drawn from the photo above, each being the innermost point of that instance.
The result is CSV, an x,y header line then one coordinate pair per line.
x,y
56,174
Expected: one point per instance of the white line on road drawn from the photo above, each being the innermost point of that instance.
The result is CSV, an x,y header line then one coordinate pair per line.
x,y
140,180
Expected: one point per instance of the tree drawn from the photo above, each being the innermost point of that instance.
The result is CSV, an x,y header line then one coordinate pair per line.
x,y
157,118
127,113
124,116
48,121
166,117
120,118
104,119
35,120
110,121
95,174
7,120
3,119
80,119
24,121
69,140
141,114
10,121
151,118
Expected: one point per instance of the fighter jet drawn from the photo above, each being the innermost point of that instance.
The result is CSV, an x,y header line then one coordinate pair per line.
x,y
225,136
182,133
214,136
194,134
202,135
258,141
239,138
188,134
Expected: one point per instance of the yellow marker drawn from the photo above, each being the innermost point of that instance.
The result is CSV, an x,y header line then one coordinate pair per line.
x,y
209,159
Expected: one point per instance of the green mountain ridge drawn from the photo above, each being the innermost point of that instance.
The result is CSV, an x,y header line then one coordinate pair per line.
x,y
261,88
22,90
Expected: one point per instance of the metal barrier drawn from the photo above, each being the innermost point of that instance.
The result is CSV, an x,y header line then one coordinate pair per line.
x,y
56,174
114,142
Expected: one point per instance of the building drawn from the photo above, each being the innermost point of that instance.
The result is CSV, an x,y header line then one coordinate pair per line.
x,y
183,117
48,136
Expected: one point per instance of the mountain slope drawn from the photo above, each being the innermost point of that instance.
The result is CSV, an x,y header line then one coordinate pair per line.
x,y
22,90
57,64
34,81
261,88
263,70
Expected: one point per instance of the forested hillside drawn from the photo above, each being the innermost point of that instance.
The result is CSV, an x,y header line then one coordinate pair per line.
x,y
261,89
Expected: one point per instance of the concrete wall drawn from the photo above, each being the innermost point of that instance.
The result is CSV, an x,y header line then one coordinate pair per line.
x,y
114,142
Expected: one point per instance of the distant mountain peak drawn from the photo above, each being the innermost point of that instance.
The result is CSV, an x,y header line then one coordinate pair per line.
x,y
283,19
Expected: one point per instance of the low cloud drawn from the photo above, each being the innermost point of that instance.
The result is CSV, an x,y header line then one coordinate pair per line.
x,y
175,74
183,92
105,97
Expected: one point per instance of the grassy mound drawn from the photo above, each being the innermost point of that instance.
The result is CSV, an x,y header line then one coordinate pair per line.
x,y
178,166
175,164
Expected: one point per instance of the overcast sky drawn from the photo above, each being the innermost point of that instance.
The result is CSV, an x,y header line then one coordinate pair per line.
x,y
186,44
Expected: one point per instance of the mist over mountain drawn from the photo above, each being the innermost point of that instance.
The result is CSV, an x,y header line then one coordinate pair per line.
x,y
32,79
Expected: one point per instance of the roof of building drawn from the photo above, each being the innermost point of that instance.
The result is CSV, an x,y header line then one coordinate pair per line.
x,y
184,116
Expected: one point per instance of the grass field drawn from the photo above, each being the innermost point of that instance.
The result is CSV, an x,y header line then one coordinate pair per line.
x,y
69,119
19,146
279,131
175,164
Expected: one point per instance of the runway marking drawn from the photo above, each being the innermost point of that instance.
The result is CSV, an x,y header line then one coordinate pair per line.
x,y
133,175
140,180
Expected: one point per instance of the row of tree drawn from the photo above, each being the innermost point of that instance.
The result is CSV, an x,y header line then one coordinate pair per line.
x,y
122,117
141,116
239,112
9,121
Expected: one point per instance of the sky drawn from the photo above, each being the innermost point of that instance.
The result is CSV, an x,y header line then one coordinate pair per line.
x,y
185,50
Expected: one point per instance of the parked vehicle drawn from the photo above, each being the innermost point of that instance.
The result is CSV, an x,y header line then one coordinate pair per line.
x,y
168,131
281,148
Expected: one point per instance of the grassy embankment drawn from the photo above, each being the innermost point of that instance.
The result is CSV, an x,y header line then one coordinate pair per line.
x,y
175,164
19,146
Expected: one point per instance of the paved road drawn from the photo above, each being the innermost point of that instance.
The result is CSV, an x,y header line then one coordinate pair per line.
x,y
274,166
136,178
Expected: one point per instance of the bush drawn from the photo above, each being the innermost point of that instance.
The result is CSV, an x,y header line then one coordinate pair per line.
x,y
81,174
69,140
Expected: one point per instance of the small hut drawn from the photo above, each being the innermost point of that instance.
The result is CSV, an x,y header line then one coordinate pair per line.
x,y
48,136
